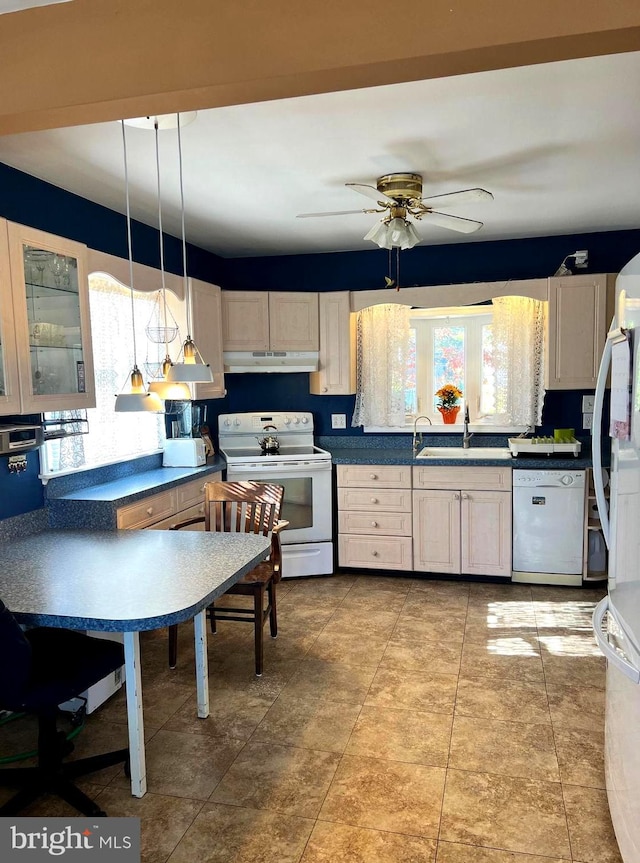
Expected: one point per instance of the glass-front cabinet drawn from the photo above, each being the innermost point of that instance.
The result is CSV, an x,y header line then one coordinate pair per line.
x,y
9,384
49,286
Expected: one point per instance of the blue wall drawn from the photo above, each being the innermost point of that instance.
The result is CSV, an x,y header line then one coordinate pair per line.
x,y
29,201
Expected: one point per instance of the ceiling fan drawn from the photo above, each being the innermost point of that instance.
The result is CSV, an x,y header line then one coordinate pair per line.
x,y
400,196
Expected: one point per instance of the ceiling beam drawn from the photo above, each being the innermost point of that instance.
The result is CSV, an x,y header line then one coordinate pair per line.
x,y
95,60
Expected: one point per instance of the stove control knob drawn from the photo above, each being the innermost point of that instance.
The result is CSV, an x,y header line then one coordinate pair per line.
x,y
287,421
305,420
236,422
227,423
296,420
567,480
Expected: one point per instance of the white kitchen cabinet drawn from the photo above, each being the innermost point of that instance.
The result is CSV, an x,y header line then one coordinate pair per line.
x,y
374,516
462,520
164,510
206,319
274,320
336,375
580,308
45,302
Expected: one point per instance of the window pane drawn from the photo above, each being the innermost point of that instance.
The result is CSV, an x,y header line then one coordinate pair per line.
x,y
448,358
488,391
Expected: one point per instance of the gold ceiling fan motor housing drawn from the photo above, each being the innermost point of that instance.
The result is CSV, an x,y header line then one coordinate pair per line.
x,y
402,187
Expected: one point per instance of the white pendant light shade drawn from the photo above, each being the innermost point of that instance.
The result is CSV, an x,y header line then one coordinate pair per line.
x,y
378,235
170,390
137,399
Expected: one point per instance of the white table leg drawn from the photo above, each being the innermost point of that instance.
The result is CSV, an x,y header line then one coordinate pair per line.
x,y
134,714
202,665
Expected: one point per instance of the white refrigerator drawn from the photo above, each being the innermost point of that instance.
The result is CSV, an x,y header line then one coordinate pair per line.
x,y
616,620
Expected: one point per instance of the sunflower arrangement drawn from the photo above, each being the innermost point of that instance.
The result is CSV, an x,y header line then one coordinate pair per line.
x,y
447,396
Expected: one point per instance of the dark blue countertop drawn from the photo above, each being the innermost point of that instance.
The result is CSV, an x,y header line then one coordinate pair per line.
x,y
95,506
404,455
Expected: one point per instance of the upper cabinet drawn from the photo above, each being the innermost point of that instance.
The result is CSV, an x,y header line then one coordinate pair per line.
x,y
9,382
269,321
44,294
206,317
580,308
336,375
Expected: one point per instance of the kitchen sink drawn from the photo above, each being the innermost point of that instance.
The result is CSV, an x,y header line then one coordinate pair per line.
x,y
474,452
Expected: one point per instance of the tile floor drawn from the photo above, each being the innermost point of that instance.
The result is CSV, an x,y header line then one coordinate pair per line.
x,y
398,719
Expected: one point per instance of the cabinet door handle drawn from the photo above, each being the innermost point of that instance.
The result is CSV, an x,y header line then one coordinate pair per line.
x,y
325,389
374,524
149,510
465,496
374,500
456,496
375,553
373,476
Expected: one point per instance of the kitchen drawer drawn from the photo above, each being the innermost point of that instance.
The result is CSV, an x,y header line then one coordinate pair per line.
x,y
384,552
383,523
192,493
370,476
471,478
185,515
153,508
374,499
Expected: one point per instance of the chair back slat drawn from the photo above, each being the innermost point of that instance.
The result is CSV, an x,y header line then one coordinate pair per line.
x,y
242,507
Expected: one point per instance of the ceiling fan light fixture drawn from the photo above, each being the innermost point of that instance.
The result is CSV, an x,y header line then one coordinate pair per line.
x,y
394,233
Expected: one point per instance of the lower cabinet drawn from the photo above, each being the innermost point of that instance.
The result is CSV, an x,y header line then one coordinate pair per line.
x,y
462,520
374,516
164,510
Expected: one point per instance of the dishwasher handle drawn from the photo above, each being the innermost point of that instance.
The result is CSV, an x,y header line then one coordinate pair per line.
x,y
613,655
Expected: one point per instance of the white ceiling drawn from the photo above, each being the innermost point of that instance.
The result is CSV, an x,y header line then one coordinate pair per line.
x,y
558,145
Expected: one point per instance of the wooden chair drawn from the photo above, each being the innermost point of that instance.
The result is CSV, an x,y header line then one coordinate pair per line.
x,y
244,507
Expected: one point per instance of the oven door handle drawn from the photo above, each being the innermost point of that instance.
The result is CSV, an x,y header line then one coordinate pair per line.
x,y
282,467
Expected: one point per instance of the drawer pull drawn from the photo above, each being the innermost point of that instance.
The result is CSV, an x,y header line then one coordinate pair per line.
x,y
373,476
374,524
374,500
375,553
149,510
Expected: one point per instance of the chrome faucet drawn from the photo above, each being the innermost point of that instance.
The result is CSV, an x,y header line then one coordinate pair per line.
x,y
416,443
466,437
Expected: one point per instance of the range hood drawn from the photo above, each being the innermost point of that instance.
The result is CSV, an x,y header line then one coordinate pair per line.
x,y
270,361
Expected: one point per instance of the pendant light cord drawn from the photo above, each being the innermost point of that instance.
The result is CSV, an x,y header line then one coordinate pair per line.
x,y
184,237
164,289
129,243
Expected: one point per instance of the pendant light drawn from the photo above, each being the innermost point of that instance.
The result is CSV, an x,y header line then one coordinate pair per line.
x,y
137,398
164,388
193,368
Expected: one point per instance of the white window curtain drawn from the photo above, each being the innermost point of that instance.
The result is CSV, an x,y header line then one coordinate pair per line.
x,y
518,337
111,436
382,352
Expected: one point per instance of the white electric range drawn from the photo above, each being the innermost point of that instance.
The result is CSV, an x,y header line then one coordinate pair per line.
x,y
302,468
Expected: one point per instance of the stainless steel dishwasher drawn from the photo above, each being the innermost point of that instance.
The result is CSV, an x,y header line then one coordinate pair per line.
x,y
548,526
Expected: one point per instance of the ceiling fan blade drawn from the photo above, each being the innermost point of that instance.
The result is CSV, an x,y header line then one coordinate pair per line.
x,y
454,223
371,192
464,196
336,213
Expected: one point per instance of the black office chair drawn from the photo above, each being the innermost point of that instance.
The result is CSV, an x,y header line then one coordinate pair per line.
x,y
40,669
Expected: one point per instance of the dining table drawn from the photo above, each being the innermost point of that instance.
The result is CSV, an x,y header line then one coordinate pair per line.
x,y
126,581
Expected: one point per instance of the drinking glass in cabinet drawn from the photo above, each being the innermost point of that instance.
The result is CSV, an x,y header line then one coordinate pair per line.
x,y
53,314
